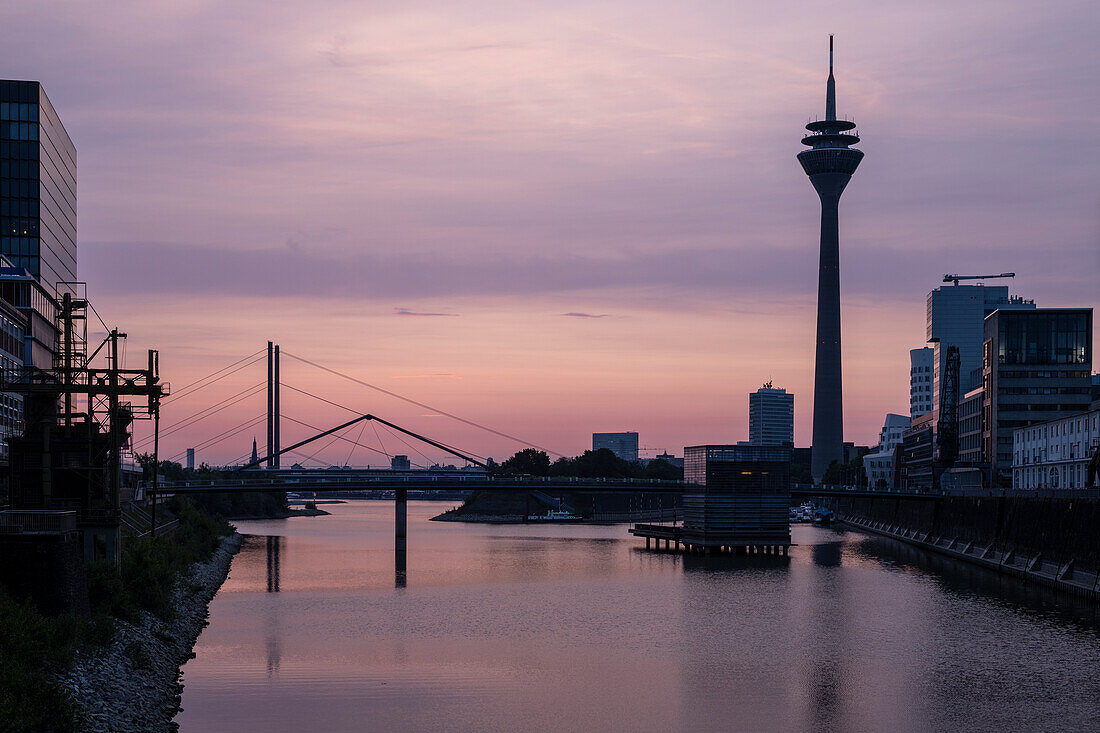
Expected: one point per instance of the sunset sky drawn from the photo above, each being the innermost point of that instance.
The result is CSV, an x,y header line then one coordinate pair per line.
x,y
556,218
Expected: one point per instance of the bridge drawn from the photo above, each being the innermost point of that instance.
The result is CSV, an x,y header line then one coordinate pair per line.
x,y
265,474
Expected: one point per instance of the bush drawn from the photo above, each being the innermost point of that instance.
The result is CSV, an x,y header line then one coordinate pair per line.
x,y
30,646
149,567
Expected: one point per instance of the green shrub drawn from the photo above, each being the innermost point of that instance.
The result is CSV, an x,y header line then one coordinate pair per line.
x,y
30,646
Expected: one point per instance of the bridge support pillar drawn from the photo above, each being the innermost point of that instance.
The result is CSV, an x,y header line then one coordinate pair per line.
x,y
400,536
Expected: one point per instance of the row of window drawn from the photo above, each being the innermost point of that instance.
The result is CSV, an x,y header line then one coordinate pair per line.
x,y
1044,407
19,227
14,190
1069,477
1043,390
1043,374
19,168
19,246
19,130
18,150
1067,427
1043,338
18,112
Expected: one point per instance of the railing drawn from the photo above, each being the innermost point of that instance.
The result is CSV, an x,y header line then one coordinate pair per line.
x,y
451,477
38,522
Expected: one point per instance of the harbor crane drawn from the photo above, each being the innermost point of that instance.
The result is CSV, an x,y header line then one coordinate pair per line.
x,y
955,278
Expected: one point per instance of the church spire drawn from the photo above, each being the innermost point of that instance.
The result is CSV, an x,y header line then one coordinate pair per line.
x,y
255,457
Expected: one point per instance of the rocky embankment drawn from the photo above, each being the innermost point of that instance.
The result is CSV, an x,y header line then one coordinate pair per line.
x,y
132,684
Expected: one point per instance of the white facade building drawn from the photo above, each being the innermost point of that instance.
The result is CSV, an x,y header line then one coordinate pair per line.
x,y
771,416
878,465
955,315
1055,454
920,381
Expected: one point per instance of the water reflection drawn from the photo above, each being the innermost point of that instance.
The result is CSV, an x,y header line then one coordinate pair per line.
x,y
274,545
578,628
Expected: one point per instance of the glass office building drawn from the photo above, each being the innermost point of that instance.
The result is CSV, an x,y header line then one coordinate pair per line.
x,y
1036,367
37,185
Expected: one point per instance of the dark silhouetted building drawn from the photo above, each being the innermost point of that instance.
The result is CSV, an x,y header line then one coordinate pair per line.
x,y
829,163
1036,367
400,463
37,185
736,495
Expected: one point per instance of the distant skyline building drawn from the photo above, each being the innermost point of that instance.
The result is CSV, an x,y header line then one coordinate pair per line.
x,y
37,185
829,163
771,416
920,381
400,463
191,458
954,316
623,445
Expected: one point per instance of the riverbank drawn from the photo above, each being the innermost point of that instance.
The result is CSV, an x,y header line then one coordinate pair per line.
x,y
132,683
1029,566
283,515
1049,541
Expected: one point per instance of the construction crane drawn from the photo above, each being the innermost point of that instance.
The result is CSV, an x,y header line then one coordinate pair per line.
x,y
955,278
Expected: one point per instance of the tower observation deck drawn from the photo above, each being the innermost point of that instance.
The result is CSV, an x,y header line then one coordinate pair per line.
x,y
829,163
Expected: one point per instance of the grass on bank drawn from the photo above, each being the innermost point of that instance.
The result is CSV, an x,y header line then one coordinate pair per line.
x,y
33,644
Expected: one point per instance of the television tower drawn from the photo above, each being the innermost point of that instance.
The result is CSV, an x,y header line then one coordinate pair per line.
x,y
829,163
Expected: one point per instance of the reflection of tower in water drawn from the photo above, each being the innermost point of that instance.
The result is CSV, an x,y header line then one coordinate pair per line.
x,y
272,630
273,545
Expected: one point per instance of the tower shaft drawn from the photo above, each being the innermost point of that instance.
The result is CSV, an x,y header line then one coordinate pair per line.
x,y
829,164
828,420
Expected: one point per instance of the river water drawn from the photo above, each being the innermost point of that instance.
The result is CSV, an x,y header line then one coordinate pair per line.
x,y
562,628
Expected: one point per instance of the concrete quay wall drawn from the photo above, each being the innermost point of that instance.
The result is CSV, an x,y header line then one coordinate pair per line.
x,y
1051,541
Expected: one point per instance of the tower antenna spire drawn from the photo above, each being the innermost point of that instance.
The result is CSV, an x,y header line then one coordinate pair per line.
x,y
830,87
830,53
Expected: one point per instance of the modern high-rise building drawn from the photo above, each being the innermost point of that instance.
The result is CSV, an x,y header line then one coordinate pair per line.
x,y
1036,367
771,416
37,185
920,381
954,317
829,163
624,445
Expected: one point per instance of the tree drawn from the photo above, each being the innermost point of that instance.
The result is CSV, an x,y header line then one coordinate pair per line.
x,y
663,470
527,461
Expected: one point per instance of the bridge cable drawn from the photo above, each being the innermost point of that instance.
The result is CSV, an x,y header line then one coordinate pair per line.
x,y
421,404
225,434
222,436
357,412
347,461
310,457
201,379
199,416
341,437
187,391
411,446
